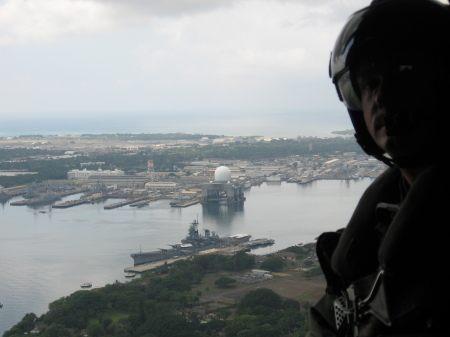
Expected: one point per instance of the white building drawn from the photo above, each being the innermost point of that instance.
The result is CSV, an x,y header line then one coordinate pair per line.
x,y
85,174
161,185
332,163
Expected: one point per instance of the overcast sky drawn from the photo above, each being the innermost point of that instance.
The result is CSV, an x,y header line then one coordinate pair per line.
x,y
100,57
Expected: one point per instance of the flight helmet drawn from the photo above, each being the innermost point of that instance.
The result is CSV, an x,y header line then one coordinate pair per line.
x,y
409,42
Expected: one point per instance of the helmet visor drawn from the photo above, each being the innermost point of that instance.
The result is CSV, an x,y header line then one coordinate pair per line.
x,y
339,70
346,91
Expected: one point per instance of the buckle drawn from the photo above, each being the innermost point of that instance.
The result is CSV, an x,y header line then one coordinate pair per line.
x,y
365,297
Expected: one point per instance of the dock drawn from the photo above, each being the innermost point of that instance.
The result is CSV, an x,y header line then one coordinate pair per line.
x,y
76,191
70,203
187,204
124,203
142,203
152,265
19,203
303,181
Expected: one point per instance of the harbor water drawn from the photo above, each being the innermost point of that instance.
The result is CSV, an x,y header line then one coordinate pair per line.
x,y
47,253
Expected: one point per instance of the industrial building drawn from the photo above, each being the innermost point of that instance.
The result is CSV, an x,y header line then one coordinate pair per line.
x,y
125,181
85,173
161,185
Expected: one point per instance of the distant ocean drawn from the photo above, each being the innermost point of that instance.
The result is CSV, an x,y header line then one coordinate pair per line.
x,y
268,124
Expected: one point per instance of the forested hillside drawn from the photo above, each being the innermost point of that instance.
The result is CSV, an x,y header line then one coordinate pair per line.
x,y
161,304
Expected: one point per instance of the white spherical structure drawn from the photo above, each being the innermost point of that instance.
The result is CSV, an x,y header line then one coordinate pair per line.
x,y
222,174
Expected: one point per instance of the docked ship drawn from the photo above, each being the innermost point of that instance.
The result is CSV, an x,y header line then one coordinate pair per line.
x,y
193,243
274,179
4,196
47,198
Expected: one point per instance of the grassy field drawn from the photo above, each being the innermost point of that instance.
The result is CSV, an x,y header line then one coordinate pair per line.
x,y
289,284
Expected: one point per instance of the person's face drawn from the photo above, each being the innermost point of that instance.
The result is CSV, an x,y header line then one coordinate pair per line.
x,y
370,84
382,95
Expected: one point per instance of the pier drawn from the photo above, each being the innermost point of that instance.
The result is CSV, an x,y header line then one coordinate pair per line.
x,y
142,202
19,203
152,265
303,181
187,204
125,203
70,203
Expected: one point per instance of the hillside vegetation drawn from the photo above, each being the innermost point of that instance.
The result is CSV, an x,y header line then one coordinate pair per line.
x,y
163,303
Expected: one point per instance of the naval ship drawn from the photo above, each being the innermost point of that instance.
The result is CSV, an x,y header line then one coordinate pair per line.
x,y
193,243
47,198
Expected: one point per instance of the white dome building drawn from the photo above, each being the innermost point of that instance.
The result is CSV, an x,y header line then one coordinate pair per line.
x,y
222,174
222,190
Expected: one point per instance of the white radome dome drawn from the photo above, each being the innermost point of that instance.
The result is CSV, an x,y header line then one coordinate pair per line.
x,y
222,174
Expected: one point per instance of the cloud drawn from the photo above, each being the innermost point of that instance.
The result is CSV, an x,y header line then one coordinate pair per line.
x,y
167,7
254,39
25,21
98,55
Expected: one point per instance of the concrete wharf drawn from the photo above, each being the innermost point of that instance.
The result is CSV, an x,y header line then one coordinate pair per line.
x,y
143,202
14,191
152,265
307,181
188,203
19,203
93,200
65,194
70,203
124,203
303,181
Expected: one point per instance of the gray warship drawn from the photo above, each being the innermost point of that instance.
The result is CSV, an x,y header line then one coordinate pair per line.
x,y
4,196
44,199
192,244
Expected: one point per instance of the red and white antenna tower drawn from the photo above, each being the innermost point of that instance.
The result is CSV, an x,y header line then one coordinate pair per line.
x,y
150,169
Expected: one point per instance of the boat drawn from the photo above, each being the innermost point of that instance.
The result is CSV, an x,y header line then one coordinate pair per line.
x,y
1,305
193,243
181,198
86,285
46,198
4,196
274,179
130,275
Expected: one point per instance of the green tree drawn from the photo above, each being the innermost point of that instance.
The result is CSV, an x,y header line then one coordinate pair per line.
x,y
224,282
240,261
265,298
290,304
24,326
95,330
273,264
308,263
56,330
316,271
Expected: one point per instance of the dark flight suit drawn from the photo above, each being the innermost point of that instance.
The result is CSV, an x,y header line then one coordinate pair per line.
x,y
405,233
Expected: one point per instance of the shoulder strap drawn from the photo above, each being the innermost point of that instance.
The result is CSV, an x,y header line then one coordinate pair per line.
x,y
356,254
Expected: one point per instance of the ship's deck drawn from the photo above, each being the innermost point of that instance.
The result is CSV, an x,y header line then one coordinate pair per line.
x,y
139,269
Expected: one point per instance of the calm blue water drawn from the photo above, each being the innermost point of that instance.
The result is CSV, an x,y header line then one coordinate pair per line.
x,y
47,256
